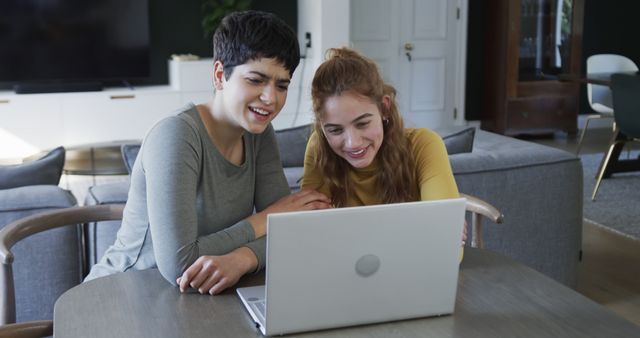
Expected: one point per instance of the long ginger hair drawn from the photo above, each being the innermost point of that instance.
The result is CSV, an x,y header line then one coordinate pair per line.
x,y
346,70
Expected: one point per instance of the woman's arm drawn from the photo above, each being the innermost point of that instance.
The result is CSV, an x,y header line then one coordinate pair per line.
x,y
273,193
432,164
172,164
214,273
312,177
434,170
271,185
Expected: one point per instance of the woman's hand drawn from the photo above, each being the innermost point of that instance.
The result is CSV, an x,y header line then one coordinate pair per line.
x,y
213,274
299,201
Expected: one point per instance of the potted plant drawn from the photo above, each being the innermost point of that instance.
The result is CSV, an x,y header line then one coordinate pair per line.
x,y
215,10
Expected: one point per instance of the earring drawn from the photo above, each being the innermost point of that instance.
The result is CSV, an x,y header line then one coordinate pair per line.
x,y
385,121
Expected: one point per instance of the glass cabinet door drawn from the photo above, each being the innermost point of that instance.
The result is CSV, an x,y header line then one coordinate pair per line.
x,y
545,32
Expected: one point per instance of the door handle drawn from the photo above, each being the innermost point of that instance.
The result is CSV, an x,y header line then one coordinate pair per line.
x,y
408,47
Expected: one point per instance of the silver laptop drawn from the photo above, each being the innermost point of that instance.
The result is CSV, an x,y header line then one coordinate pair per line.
x,y
349,266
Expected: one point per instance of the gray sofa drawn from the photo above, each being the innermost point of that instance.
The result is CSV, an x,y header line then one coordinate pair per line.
x,y
538,188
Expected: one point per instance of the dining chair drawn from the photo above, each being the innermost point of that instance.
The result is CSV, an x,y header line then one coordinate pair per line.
x,y
626,102
599,96
478,208
29,188
34,225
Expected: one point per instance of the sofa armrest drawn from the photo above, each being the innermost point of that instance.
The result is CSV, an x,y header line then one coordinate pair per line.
x,y
539,190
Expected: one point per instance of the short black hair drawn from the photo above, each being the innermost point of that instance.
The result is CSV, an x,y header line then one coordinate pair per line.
x,y
252,35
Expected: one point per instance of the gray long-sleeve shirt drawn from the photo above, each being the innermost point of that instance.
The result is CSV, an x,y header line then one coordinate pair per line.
x,y
186,200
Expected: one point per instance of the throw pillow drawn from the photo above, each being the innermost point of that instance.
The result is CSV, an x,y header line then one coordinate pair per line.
x,y
293,143
45,170
129,154
460,142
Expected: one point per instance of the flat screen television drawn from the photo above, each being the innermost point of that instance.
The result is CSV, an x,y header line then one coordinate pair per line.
x,y
58,42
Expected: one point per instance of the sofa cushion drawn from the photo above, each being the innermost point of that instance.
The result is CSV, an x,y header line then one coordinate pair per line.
x,y
129,154
460,142
34,197
293,143
102,236
108,193
498,152
294,177
45,170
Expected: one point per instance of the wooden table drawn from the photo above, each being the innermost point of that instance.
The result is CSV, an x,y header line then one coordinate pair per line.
x,y
603,79
497,297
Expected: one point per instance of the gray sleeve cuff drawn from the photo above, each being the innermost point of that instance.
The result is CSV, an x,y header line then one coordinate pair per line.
x,y
259,248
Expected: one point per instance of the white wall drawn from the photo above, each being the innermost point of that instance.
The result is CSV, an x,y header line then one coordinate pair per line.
x,y
328,23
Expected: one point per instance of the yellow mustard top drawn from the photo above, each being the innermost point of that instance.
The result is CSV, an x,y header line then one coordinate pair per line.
x,y
432,164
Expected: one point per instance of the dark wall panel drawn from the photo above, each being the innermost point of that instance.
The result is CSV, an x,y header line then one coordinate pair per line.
x,y
475,45
609,27
176,29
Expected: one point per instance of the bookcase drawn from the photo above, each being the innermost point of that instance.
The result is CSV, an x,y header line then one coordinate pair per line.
x,y
528,43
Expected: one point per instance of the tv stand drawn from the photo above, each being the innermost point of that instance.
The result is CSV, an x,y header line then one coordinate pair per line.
x,y
45,121
57,87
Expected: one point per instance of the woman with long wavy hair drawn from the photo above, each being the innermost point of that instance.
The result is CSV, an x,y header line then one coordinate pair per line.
x,y
359,152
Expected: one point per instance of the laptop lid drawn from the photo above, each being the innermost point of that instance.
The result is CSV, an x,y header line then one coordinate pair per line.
x,y
349,266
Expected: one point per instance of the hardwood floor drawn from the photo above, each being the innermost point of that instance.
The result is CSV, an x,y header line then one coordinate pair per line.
x,y
609,272
595,141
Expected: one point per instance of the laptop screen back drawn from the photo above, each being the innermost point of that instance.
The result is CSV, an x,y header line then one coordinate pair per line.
x,y
349,266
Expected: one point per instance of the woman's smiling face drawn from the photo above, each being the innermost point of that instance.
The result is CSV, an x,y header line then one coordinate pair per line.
x,y
255,93
353,127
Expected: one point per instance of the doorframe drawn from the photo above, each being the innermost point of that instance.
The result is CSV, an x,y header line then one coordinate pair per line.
x,y
461,67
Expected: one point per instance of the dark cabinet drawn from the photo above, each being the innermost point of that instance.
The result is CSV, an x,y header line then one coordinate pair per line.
x,y
528,43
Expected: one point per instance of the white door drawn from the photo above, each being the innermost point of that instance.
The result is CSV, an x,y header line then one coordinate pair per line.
x,y
416,44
